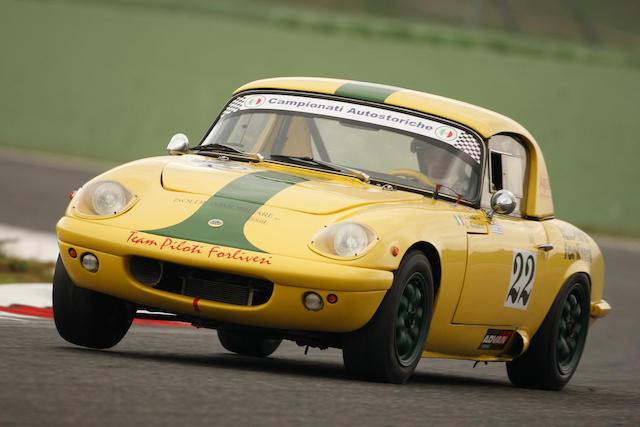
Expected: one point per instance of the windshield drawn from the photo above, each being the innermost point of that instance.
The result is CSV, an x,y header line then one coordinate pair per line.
x,y
390,146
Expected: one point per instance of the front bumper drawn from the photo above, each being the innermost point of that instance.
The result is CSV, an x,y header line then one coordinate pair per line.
x,y
359,290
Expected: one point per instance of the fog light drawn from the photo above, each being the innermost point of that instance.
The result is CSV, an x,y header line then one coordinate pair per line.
x,y
90,262
312,301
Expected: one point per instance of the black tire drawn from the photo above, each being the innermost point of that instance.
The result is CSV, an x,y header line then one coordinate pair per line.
x,y
88,318
389,347
247,343
555,349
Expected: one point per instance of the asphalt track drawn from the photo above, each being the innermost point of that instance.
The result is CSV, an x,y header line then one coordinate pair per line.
x,y
182,376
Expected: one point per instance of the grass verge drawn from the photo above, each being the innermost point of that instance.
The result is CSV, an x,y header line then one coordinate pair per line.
x,y
15,270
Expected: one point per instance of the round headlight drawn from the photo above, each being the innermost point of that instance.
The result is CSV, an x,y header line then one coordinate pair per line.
x,y
350,240
344,240
102,199
109,197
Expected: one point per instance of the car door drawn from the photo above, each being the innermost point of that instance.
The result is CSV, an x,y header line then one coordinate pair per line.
x,y
506,261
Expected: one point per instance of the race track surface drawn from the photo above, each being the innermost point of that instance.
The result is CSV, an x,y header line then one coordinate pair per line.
x,y
182,376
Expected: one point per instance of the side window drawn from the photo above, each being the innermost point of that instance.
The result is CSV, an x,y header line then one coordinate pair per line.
x,y
507,169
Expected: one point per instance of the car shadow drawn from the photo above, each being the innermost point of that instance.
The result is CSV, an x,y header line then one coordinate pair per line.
x,y
312,368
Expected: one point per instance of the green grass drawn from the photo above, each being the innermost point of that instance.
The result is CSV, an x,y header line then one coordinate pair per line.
x,y
115,80
15,270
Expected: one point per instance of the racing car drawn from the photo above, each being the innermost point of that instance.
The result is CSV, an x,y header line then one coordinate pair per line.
x,y
390,223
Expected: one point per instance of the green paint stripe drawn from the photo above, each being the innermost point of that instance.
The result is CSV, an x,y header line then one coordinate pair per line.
x,y
234,204
369,91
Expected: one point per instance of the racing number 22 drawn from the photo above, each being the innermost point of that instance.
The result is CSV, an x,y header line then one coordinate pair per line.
x,y
523,270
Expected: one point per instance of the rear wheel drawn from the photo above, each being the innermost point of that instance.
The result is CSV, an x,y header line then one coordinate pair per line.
x,y
389,347
555,350
85,317
247,343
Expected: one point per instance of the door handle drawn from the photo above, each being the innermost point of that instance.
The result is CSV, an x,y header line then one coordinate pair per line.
x,y
545,247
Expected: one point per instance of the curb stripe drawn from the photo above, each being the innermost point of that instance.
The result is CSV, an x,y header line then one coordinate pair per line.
x,y
28,311
47,313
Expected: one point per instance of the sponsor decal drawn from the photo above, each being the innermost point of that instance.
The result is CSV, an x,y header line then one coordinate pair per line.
x,y
446,133
263,217
574,252
202,250
545,187
187,201
238,255
215,223
496,229
495,339
345,110
166,244
523,271
577,244
573,234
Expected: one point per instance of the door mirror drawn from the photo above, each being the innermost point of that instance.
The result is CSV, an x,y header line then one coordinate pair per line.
x,y
178,145
502,202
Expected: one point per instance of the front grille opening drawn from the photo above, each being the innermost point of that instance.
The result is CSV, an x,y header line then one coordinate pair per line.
x,y
208,284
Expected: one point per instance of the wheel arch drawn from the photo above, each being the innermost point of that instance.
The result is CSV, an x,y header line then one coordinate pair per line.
x,y
569,276
575,270
434,260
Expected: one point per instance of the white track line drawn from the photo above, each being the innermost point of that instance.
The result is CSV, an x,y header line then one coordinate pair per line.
x,y
27,244
31,294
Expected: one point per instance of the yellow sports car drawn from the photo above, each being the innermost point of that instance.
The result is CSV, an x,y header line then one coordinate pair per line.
x,y
390,223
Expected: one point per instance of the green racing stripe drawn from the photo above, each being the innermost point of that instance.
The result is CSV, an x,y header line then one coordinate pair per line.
x,y
369,91
231,206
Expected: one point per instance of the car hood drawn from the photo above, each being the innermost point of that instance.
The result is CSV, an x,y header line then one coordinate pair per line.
x,y
275,186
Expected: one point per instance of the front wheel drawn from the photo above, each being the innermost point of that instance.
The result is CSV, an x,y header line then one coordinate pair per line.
x,y
389,347
555,349
85,317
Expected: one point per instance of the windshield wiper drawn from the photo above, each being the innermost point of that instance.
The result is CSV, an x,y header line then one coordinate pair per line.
x,y
310,161
229,150
439,187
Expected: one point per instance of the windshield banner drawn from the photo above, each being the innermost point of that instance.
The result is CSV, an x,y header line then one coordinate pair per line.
x,y
362,113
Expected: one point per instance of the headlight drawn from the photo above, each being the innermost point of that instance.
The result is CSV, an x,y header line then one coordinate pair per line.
x,y
108,198
103,198
345,240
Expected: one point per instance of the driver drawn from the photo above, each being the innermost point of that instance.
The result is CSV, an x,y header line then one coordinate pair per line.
x,y
442,164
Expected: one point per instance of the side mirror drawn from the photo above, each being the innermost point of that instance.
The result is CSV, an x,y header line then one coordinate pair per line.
x,y
178,145
502,202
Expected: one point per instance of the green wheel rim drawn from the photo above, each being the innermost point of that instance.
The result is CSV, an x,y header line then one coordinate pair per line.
x,y
410,320
572,329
